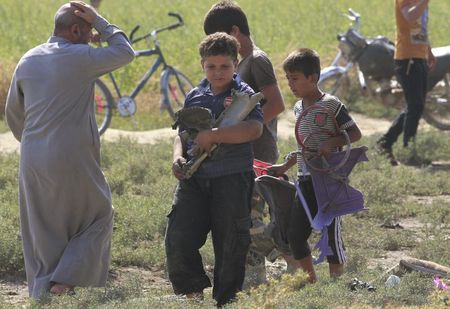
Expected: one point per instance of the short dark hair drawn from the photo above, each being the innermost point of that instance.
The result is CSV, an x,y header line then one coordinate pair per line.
x,y
223,16
303,60
219,43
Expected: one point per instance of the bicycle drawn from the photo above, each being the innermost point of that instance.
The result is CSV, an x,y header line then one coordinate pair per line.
x,y
174,85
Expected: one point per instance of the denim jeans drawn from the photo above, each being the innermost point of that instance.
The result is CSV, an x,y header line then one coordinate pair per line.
x,y
220,205
413,79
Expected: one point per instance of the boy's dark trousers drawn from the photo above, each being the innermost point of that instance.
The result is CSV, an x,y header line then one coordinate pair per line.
x,y
412,75
300,229
220,205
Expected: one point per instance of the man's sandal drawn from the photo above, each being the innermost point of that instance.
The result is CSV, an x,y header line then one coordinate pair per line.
x,y
58,289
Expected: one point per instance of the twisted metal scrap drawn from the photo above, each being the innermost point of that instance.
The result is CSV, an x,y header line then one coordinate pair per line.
x,y
193,120
195,117
242,104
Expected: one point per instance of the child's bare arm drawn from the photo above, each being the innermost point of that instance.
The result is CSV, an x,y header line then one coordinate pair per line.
x,y
243,132
280,169
274,102
178,159
354,134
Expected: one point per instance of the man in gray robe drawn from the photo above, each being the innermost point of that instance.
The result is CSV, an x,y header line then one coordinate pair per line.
x,y
65,203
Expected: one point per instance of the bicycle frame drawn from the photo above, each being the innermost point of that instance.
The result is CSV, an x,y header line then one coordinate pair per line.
x,y
173,83
144,53
148,52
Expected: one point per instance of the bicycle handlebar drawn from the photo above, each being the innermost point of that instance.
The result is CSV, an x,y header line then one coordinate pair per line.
x,y
180,22
177,16
133,32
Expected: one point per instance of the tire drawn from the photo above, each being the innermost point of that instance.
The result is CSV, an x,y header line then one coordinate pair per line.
x,y
174,88
103,103
437,106
337,84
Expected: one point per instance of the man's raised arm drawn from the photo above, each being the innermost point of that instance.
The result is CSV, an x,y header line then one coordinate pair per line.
x,y
412,11
105,59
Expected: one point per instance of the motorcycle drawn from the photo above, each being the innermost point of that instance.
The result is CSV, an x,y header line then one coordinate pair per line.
x,y
373,59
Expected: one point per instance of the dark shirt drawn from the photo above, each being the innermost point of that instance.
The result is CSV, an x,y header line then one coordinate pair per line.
x,y
257,71
228,158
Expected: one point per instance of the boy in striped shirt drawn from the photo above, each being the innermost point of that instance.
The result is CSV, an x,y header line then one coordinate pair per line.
x,y
302,69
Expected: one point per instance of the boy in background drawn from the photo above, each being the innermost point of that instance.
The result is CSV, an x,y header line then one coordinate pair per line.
x,y
217,197
302,69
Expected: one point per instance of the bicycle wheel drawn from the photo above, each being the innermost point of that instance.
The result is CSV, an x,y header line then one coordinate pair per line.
x,y
103,103
174,88
337,84
437,107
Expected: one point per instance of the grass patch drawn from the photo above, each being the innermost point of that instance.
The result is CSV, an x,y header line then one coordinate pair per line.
x,y
142,188
328,293
142,121
6,70
3,126
358,103
10,242
276,29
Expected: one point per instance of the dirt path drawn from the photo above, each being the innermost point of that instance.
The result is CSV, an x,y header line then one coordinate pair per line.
x,y
13,289
368,126
286,124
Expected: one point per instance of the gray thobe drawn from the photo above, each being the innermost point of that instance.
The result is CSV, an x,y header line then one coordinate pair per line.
x,y
65,203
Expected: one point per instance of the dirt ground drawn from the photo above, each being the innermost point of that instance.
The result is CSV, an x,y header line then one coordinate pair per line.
x,y
286,125
13,288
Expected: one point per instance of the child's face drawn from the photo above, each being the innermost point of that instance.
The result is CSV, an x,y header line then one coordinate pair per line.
x,y
219,71
299,84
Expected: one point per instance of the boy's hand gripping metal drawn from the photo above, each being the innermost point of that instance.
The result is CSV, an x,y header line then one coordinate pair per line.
x,y
242,104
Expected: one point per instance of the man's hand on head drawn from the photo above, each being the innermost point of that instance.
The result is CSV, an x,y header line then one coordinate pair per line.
x,y
85,11
95,38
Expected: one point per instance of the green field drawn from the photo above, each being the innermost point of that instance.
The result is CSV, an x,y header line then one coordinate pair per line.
x,y
142,194
277,28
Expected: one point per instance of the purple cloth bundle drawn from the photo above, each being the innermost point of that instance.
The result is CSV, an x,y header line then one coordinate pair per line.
x,y
335,197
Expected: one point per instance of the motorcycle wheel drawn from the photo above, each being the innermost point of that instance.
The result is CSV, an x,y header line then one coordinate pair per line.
x,y
437,106
337,84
